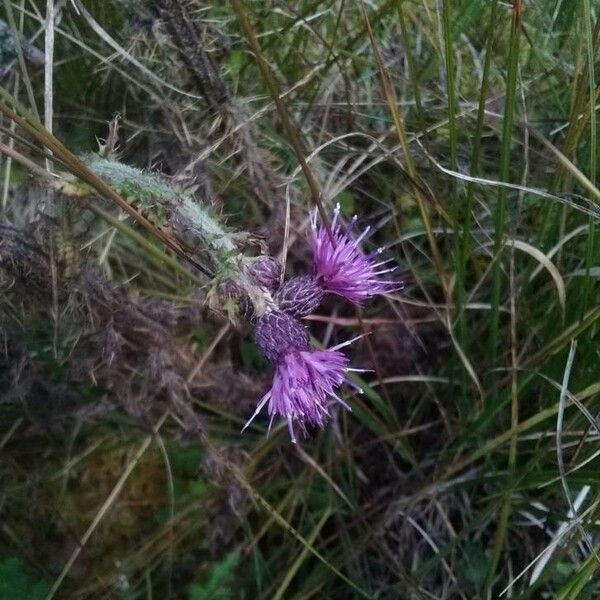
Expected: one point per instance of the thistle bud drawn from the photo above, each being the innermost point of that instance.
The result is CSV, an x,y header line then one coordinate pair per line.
x,y
265,271
245,307
278,333
299,296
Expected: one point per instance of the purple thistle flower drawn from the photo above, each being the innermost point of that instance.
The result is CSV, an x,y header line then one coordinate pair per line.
x,y
341,266
304,380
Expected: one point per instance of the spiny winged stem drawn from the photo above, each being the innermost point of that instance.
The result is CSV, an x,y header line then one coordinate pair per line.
x,y
149,192
195,228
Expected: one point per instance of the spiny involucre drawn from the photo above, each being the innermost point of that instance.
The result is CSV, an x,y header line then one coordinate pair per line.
x,y
265,271
299,296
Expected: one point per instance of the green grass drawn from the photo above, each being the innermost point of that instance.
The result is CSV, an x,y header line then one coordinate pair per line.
x,y
466,134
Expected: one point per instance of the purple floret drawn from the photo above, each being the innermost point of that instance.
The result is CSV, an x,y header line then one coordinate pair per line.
x,y
305,380
341,266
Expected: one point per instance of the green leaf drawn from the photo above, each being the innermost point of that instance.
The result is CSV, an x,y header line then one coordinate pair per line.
x,y
15,584
217,587
252,359
475,566
185,460
237,60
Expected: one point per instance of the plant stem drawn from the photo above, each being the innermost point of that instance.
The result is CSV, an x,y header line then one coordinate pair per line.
x,y
500,213
286,121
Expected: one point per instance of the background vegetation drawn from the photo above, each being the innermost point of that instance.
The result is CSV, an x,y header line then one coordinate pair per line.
x,y
465,134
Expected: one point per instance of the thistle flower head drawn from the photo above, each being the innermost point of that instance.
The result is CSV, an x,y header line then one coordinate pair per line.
x,y
299,296
265,271
278,333
341,266
305,380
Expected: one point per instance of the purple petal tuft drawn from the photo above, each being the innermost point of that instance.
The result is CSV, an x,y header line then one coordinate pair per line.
x,y
303,384
341,266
